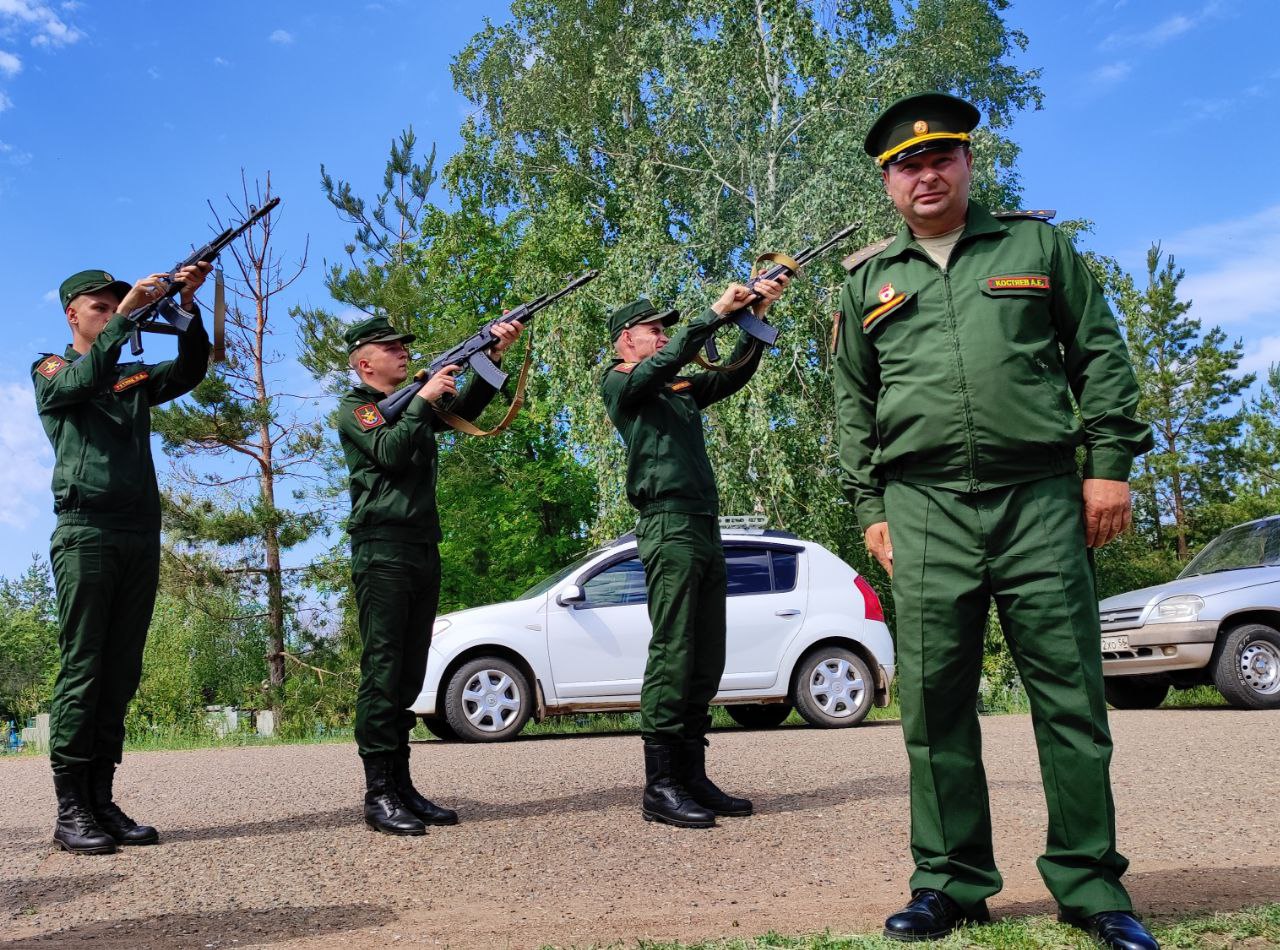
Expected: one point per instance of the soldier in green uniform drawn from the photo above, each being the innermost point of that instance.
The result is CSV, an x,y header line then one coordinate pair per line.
x,y
657,408
395,560
105,549
961,345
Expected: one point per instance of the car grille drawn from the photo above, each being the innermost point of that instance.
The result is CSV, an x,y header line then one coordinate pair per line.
x,y
1121,619
1135,653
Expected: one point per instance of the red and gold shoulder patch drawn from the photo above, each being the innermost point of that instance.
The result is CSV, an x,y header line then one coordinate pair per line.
x,y
1018,282
624,367
51,366
130,381
368,416
680,385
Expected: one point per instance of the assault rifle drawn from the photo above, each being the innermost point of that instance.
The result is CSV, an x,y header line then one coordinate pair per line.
x,y
472,351
176,320
783,265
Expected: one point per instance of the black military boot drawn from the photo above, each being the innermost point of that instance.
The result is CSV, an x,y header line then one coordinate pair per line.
x,y
76,830
931,915
1115,929
428,812
383,809
108,814
665,799
693,775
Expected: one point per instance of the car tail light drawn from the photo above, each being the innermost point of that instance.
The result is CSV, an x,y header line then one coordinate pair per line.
x,y
869,597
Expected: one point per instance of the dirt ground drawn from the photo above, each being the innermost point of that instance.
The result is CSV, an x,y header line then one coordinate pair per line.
x,y
265,846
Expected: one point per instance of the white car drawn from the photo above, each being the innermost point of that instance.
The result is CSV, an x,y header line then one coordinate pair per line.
x,y
804,630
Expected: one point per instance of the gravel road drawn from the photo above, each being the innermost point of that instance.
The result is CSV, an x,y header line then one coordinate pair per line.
x,y
265,846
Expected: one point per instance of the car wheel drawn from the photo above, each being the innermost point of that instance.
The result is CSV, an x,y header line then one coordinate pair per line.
x,y
1247,671
758,715
833,688
488,700
440,729
1135,692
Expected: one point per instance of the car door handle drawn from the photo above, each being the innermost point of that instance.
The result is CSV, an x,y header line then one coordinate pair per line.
x,y
789,612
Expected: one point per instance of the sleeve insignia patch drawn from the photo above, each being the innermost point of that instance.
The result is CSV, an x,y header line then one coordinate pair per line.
x,y
680,385
51,366
1017,282
130,381
625,367
368,416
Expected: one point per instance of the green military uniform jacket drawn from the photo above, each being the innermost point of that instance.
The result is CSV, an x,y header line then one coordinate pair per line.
x,y
658,412
97,414
392,465
959,379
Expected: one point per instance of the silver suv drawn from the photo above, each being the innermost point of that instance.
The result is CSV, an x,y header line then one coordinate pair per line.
x,y
1218,622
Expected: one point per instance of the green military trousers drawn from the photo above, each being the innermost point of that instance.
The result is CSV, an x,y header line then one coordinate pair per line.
x,y
106,588
685,577
397,585
1023,546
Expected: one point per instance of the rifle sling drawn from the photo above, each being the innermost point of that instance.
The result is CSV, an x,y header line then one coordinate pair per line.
x,y
463,425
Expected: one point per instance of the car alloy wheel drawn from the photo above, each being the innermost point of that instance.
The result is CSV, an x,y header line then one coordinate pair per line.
x,y
488,700
833,688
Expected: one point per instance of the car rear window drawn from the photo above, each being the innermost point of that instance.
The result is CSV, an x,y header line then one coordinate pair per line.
x,y
784,570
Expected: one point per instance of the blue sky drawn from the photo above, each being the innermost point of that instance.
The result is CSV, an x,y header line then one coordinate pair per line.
x,y
118,121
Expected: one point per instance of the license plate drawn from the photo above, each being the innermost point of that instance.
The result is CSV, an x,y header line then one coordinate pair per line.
x,y
1114,644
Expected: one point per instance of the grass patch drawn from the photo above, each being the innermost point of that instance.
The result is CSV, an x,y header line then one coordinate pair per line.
x,y
1253,927
1197,697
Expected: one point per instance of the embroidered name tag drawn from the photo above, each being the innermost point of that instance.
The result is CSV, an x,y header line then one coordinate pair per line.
x,y
51,367
1023,282
368,416
680,385
130,381
880,312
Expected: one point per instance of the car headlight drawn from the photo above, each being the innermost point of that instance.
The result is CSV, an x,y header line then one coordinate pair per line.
x,y
1178,609
442,624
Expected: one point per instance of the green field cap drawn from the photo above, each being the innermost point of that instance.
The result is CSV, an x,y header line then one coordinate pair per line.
x,y
90,282
373,330
922,123
636,312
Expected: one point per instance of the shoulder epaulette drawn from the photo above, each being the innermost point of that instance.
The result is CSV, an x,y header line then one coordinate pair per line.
x,y
858,257
624,367
1045,216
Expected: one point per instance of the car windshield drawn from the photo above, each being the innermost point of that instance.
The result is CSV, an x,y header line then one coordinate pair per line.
x,y
546,584
1248,545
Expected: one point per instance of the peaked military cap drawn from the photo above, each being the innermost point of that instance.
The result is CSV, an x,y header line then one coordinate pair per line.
x,y
638,311
90,282
373,330
921,123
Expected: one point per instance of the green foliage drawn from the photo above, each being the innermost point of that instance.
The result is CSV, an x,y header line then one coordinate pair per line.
x,y
28,642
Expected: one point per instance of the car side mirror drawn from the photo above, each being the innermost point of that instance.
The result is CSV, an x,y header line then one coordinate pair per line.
x,y
570,595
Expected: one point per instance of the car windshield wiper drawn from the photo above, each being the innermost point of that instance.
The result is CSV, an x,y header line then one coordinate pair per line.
x,y
1223,570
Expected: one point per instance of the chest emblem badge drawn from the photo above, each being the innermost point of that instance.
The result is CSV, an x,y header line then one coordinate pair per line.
x,y
130,381
368,416
50,367
887,293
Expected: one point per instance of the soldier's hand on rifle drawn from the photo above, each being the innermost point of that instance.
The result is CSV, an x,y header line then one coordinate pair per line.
x,y
506,334
143,292
441,384
192,276
770,291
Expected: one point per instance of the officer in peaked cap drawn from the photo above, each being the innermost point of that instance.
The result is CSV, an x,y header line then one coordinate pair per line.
x,y
966,344
656,405
395,554
105,549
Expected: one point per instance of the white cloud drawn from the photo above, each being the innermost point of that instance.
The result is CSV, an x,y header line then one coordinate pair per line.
x,y
1232,275
153,72
1260,355
50,296
10,64
1157,35
39,18
219,61
5,102
283,37
24,478
1111,73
